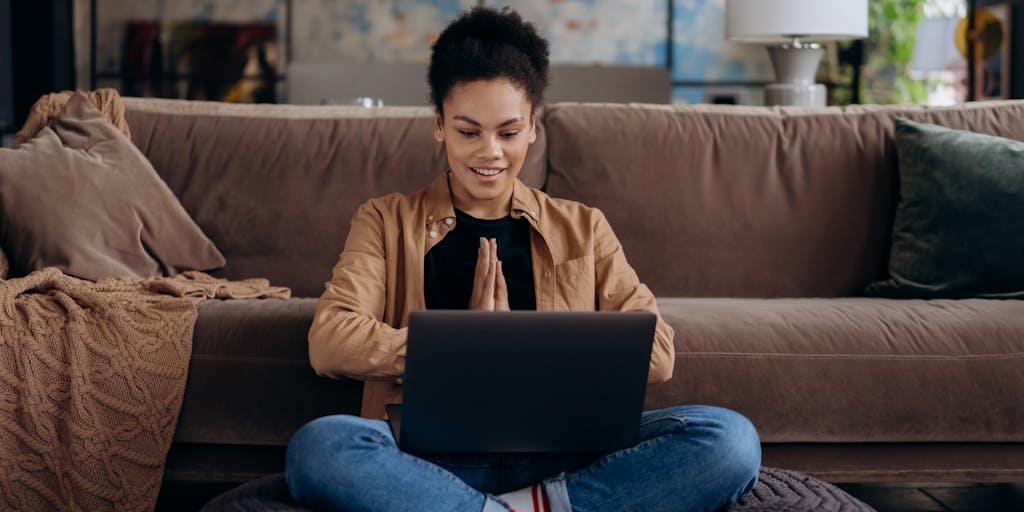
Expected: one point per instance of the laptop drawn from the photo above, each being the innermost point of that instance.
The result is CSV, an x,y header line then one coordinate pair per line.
x,y
523,381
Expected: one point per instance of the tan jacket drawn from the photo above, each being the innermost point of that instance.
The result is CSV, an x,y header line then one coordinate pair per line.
x,y
359,330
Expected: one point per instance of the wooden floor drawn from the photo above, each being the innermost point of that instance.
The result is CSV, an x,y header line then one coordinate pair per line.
x,y
940,497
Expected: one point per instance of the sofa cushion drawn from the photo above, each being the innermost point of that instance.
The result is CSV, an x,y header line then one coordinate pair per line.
x,y
249,380
853,369
959,229
80,197
747,201
275,186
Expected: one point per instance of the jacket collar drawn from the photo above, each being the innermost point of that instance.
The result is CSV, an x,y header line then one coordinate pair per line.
x,y
439,199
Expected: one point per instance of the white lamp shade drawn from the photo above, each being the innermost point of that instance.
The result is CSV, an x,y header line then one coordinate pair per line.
x,y
779,21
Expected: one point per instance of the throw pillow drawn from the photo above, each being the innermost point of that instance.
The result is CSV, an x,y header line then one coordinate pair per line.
x,y
49,106
959,227
79,196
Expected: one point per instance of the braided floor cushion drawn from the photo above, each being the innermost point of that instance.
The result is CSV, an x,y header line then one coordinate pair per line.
x,y
777,490
783,490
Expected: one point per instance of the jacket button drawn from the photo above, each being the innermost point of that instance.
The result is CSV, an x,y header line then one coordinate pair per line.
x,y
432,234
449,221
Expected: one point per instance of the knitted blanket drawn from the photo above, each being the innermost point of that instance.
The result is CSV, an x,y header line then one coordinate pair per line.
x,y
91,381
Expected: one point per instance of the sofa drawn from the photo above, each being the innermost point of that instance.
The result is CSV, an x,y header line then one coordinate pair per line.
x,y
757,228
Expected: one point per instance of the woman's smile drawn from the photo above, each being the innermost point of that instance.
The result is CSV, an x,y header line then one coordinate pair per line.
x,y
487,174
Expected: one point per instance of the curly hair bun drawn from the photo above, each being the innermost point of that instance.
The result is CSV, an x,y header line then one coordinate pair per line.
x,y
484,44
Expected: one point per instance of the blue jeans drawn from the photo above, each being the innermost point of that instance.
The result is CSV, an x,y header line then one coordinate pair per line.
x,y
688,458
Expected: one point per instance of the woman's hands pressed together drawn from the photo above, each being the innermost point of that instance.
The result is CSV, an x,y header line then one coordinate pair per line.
x,y
490,292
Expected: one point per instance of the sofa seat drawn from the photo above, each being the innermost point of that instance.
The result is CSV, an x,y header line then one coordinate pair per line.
x,y
250,381
853,369
249,388
843,369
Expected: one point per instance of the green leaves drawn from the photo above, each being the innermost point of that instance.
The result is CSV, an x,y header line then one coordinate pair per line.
x,y
892,30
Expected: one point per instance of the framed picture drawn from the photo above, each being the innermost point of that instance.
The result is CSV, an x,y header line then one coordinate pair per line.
x,y
995,33
200,49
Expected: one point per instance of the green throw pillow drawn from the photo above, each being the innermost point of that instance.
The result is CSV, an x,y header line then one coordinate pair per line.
x,y
959,229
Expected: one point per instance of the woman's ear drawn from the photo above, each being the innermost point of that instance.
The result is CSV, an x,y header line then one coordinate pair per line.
x,y
438,126
533,126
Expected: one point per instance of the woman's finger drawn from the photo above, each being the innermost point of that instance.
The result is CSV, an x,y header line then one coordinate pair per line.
x,y
488,290
500,290
482,258
478,296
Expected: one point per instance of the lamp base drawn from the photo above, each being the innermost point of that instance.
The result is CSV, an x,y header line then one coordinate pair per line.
x,y
804,95
795,66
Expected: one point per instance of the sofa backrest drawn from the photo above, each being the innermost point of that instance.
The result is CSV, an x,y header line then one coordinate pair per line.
x,y
707,200
275,186
747,201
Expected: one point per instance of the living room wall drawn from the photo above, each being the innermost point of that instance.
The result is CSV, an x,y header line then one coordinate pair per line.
x,y
606,32
684,36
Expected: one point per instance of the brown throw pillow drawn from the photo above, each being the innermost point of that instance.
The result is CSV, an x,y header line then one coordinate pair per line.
x,y
49,106
79,196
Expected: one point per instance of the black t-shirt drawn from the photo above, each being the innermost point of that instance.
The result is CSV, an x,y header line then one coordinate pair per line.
x,y
449,266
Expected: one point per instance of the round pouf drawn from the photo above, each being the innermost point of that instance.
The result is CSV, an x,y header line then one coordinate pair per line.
x,y
777,490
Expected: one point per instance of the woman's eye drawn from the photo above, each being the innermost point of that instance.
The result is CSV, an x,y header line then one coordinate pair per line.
x,y
466,133
509,135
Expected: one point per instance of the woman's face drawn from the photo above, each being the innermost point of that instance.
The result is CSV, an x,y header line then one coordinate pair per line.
x,y
487,126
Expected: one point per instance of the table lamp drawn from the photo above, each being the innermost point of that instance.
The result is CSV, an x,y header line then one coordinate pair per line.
x,y
790,25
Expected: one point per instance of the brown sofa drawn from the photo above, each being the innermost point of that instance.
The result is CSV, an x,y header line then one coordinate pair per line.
x,y
756,227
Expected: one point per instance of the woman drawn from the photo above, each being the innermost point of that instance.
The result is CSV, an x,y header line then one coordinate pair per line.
x,y
478,238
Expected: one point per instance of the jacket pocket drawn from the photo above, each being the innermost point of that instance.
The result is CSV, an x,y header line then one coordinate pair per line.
x,y
575,284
